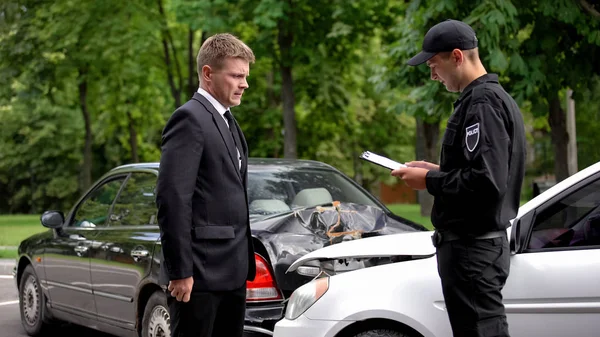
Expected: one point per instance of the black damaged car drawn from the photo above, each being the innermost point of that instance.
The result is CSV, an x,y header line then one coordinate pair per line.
x,y
98,266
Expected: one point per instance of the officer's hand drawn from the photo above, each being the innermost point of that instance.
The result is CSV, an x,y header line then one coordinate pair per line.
x,y
423,164
414,177
181,289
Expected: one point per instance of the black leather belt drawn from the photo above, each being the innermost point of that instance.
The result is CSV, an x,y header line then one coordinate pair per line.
x,y
438,237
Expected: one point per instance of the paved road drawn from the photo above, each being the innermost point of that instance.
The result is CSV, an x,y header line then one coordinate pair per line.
x,y
10,320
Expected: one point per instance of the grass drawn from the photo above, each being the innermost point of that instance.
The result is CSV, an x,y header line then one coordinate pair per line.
x,y
15,228
411,212
8,253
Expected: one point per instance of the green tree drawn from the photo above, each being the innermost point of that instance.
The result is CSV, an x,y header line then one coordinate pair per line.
x,y
310,41
535,48
588,123
559,42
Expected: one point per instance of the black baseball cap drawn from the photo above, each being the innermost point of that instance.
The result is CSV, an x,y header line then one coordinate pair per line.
x,y
445,36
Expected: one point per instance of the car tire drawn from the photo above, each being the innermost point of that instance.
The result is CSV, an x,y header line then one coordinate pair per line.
x,y
32,303
156,320
381,333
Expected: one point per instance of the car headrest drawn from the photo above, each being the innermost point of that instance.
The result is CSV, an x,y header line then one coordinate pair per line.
x,y
268,206
312,197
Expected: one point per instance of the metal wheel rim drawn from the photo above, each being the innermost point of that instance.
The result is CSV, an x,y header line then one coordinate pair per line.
x,y
30,300
159,323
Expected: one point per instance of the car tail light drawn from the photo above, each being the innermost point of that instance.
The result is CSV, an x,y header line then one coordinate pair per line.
x,y
263,287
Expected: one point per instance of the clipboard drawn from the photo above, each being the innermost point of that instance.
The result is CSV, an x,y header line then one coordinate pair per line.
x,y
380,160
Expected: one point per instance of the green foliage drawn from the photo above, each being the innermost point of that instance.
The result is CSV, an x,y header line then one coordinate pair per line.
x,y
353,91
554,39
588,124
494,22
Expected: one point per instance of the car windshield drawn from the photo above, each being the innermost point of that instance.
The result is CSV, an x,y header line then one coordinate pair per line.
x,y
279,191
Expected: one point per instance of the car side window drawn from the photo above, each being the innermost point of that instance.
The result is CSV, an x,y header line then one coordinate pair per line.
x,y
93,211
573,221
136,205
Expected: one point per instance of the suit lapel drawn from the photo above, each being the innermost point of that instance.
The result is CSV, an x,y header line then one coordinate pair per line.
x,y
223,130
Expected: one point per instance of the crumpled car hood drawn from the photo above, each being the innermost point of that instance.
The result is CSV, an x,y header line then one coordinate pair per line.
x,y
413,244
289,236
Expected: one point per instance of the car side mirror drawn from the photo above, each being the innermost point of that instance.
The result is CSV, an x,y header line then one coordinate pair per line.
x,y
52,219
515,237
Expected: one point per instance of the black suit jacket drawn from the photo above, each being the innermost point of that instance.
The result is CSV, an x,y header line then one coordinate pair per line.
x,y
202,200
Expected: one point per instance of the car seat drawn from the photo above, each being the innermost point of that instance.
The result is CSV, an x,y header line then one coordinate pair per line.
x,y
312,197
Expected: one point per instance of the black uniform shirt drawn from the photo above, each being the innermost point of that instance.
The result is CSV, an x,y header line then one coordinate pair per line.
x,y
482,163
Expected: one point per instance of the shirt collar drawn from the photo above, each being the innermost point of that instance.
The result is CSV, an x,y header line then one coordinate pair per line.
x,y
480,80
218,106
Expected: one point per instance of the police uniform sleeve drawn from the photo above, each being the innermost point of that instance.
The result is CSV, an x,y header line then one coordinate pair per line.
x,y
486,150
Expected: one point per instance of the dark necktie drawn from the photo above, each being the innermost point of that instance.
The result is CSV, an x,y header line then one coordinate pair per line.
x,y
234,132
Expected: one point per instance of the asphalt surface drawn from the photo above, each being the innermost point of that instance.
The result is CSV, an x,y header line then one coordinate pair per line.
x,y
10,319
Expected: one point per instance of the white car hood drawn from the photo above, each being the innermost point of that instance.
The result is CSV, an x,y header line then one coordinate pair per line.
x,y
413,243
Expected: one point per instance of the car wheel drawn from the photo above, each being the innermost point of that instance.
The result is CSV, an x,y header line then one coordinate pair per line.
x,y
381,333
156,320
32,303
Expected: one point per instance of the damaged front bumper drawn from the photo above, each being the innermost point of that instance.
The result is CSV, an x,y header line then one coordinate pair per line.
x,y
261,318
304,326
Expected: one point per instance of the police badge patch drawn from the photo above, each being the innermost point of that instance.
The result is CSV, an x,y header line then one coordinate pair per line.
x,y
472,137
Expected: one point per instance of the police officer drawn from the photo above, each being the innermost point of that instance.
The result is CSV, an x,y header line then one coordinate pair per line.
x,y
477,185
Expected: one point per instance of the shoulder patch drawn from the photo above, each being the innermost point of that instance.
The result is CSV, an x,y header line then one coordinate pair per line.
x,y
472,137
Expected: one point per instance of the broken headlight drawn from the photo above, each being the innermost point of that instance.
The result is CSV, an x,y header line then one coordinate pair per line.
x,y
305,296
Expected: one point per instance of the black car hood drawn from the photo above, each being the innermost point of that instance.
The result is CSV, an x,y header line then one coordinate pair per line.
x,y
287,237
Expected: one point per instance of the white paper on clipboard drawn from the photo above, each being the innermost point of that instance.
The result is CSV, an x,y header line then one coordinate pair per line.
x,y
380,160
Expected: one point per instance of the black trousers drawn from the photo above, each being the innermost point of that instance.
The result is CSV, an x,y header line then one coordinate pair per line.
x,y
473,273
209,314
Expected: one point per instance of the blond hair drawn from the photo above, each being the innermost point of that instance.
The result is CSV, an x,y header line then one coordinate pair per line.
x,y
219,47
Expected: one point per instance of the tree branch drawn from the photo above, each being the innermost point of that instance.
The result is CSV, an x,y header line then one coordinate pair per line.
x,y
589,8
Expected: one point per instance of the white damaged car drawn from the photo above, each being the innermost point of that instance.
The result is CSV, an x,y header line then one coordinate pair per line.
x,y
388,286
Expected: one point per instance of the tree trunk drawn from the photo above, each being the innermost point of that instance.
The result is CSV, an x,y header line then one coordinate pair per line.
x,y
192,73
560,138
133,143
193,76
285,40
426,148
572,132
272,103
86,172
33,187
165,39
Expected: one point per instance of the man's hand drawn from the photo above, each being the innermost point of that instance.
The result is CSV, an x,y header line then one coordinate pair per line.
x,y
423,164
414,177
181,289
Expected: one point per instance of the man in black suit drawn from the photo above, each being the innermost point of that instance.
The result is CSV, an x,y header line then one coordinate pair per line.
x,y
202,200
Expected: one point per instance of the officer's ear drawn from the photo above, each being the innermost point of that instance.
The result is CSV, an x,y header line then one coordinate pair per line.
x,y
457,56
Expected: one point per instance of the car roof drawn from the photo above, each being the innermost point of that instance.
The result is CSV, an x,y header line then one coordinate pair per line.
x,y
255,164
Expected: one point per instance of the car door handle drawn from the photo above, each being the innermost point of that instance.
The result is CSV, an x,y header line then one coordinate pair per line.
x,y
138,254
80,250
